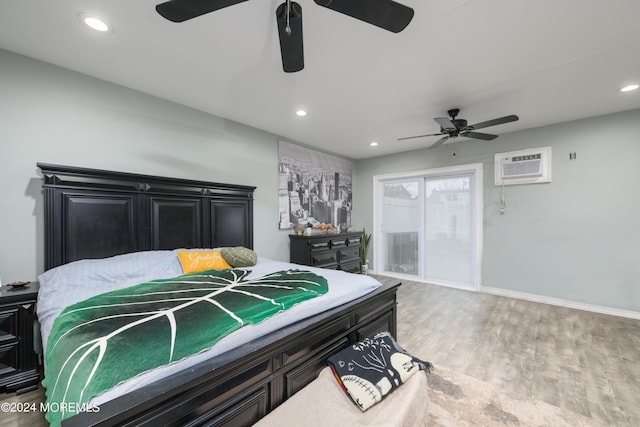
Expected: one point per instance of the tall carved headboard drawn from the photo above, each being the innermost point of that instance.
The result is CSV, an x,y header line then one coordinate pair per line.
x,y
92,213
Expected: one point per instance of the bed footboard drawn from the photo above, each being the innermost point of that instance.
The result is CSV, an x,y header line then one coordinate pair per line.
x,y
243,385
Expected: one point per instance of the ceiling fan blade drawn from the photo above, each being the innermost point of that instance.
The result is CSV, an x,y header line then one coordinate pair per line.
x,y
494,122
439,142
182,10
445,123
419,136
290,32
479,135
385,14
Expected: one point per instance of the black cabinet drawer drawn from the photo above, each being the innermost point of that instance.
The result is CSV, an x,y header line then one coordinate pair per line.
x,y
354,241
380,324
338,243
320,245
311,343
304,374
324,258
349,254
8,323
8,359
243,413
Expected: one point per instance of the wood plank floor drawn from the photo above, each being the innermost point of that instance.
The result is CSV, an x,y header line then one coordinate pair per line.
x,y
586,362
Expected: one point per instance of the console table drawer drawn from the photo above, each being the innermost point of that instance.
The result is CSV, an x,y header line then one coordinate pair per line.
x,y
323,258
321,245
338,243
353,241
349,254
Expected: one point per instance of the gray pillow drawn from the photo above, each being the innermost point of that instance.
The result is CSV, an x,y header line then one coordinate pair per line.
x,y
239,256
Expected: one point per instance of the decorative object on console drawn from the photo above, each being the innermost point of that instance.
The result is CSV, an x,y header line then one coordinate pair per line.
x,y
18,284
325,228
371,369
308,231
299,229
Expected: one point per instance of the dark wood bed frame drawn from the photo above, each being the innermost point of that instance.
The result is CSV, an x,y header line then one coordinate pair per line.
x,y
95,213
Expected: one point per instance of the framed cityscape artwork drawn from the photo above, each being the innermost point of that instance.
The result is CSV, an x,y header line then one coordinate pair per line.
x,y
313,187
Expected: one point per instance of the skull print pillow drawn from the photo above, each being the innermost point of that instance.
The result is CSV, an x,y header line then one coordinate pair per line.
x,y
372,368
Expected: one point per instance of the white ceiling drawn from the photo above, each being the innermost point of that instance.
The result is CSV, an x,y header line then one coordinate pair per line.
x,y
547,61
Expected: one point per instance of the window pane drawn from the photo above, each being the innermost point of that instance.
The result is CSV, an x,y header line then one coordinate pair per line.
x,y
448,229
402,218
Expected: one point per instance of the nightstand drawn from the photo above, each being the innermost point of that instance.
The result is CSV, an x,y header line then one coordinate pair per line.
x,y
18,361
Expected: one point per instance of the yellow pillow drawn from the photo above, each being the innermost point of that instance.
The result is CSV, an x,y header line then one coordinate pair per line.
x,y
197,261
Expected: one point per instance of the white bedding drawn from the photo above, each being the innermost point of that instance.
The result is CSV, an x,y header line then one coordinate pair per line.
x,y
77,281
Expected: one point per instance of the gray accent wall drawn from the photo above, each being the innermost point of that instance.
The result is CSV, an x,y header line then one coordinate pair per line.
x,y
53,115
576,238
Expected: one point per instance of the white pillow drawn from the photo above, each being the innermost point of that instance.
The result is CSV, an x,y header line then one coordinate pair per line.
x,y
79,280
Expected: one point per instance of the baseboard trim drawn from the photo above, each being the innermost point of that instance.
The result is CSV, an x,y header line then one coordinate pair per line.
x,y
527,297
561,302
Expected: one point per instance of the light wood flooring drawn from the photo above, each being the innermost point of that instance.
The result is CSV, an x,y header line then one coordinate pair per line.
x,y
585,362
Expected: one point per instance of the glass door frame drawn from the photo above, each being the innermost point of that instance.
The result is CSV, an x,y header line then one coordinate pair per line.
x,y
476,171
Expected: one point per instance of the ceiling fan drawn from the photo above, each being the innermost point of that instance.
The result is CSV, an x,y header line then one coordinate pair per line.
x,y
385,14
452,127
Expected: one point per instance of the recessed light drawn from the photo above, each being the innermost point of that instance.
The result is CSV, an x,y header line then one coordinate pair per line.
x,y
94,22
629,88
301,113
373,144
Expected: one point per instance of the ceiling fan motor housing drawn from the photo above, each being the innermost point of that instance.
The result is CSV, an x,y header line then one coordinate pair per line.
x,y
459,123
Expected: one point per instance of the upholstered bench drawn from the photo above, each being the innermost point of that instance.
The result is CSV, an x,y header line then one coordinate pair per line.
x,y
323,403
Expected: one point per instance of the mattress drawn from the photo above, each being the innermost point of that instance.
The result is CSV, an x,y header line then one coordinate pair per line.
x,y
77,281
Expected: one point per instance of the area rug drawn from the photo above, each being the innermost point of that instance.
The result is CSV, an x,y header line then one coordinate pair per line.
x,y
460,400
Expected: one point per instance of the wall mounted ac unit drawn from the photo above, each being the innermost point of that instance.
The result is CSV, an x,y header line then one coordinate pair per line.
x,y
530,166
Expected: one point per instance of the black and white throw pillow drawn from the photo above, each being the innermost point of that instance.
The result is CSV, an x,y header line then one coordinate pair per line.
x,y
372,368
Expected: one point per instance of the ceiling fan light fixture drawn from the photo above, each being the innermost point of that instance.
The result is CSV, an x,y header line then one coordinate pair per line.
x,y
630,88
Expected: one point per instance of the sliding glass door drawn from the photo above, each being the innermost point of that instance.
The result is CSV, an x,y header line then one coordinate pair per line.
x,y
448,239
400,234
429,226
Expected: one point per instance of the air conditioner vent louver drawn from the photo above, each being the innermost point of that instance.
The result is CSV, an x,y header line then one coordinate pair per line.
x,y
518,166
523,167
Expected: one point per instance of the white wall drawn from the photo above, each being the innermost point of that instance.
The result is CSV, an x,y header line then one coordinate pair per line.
x,y
52,115
576,238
